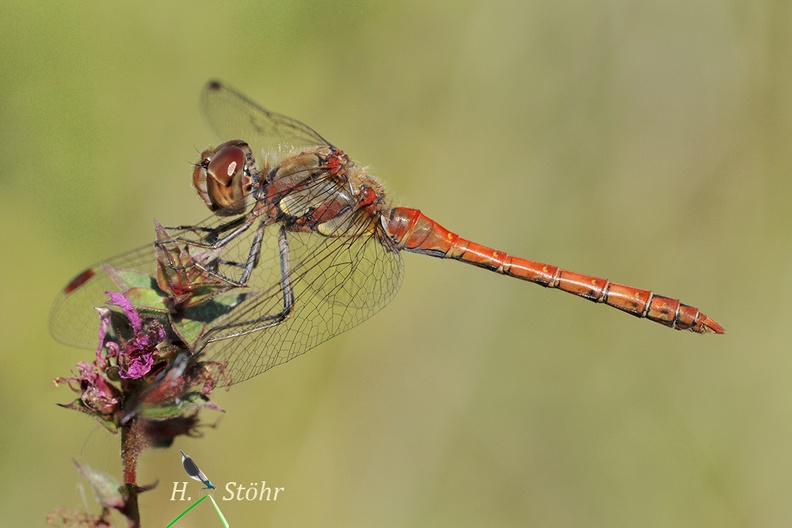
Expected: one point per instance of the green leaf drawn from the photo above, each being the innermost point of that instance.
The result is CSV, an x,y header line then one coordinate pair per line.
x,y
189,402
79,406
205,293
195,320
128,279
218,306
106,489
147,299
188,330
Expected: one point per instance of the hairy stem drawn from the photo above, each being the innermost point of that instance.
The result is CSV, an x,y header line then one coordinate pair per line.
x,y
131,445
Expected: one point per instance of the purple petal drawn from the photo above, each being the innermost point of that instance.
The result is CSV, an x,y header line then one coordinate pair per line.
x,y
138,366
104,323
113,349
157,334
126,305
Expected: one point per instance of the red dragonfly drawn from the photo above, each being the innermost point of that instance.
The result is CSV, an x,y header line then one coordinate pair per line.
x,y
313,235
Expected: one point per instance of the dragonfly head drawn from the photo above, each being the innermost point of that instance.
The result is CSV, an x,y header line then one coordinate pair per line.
x,y
223,177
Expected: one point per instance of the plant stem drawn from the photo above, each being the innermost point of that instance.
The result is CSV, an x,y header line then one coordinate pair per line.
x,y
130,449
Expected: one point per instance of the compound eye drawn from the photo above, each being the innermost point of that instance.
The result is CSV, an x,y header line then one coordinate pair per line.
x,y
227,182
222,178
226,165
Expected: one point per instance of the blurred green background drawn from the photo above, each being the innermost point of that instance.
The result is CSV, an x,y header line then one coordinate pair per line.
x,y
645,141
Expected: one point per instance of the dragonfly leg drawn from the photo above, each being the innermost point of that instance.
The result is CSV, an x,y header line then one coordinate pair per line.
x,y
247,267
213,240
230,230
255,252
250,263
212,232
269,320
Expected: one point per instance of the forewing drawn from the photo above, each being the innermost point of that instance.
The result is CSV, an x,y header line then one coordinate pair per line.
x,y
231,115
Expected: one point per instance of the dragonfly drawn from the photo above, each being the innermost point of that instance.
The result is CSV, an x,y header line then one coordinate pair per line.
x,y
314,235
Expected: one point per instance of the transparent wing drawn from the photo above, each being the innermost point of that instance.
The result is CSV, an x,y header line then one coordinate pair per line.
x,y
336,282
231,115
72,322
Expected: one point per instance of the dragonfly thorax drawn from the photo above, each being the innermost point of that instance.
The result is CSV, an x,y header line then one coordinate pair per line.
x,y
322,190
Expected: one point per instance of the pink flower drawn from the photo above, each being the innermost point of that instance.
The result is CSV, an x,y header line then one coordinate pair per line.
x,y
96,394
136,355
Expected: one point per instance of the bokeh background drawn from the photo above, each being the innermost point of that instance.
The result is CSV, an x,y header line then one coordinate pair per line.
x,y
646,141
